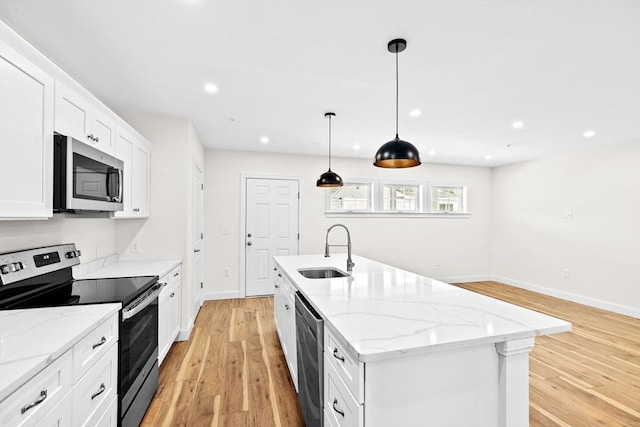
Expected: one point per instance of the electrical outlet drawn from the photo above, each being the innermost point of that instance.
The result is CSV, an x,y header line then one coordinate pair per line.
x,y
135,247
565,273
567,214
225,272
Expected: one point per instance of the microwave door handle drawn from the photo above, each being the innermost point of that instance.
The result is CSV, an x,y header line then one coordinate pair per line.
x,y
120,185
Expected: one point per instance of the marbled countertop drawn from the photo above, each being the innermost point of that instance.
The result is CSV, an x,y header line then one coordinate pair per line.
x,y
111,267
33,338
384,312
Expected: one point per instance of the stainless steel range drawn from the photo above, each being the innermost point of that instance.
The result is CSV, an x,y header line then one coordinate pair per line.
x,y
43,277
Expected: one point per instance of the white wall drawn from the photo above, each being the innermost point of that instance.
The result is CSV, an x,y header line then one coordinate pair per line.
x,y
166,234
94,237
460,244
600,246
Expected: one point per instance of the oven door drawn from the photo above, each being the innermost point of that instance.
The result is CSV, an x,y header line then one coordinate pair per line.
x,y
138,354
85,178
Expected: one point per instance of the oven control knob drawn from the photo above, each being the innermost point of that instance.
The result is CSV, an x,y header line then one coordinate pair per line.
x,y
11,268
73,254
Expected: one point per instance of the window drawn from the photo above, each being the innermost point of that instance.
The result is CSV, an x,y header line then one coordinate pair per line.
x,y
351,197
400,198
379,198
448,199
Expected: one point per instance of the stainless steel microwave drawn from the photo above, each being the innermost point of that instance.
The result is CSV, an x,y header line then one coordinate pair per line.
x,y
85,179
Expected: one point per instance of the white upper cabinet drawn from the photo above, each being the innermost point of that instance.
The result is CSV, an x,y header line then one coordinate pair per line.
x,y
26,138
82,119
135,152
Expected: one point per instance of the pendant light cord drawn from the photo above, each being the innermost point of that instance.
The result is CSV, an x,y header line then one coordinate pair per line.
x,y
329,142
397,92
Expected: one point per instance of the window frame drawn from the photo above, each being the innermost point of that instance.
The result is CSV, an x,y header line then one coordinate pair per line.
x,y
464,201
419,196
370,201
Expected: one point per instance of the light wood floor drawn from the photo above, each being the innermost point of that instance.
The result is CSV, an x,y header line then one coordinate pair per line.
x,y
232,372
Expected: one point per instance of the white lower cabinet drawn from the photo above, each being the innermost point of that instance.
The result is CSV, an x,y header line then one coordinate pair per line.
x,y
41,394
285,316
70,391
110,417
343,384
169,311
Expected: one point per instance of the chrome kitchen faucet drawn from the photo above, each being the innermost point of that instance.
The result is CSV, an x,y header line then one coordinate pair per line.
x,y
350,262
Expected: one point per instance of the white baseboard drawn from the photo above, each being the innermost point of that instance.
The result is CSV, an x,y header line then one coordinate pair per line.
x,y
208,296
184,334
593,302
464,279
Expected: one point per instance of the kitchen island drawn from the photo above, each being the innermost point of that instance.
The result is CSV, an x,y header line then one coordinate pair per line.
x,y
403,349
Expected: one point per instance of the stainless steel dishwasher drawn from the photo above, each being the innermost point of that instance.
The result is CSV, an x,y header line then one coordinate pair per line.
x,y
309,348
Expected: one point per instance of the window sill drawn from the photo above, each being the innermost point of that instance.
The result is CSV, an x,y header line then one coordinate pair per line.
x,y
351,214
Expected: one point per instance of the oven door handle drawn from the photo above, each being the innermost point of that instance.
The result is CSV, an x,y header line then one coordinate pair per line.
x,y
129,313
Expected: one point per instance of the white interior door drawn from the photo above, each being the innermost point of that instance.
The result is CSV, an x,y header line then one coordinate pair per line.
x,y
197,238
271,229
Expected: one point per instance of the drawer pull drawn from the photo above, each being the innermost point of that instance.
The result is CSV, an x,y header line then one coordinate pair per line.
x,y
277,286
172,295
99,392
176,274
43,396
102,341
335,402
287,306
338,355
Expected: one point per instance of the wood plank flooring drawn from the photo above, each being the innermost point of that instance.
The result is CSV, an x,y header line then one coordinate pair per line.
x,y
232,371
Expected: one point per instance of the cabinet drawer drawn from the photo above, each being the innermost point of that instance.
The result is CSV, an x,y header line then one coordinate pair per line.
x,y
172,277
60,415
340,407
110,417
349,368
92,347
95,391
31,402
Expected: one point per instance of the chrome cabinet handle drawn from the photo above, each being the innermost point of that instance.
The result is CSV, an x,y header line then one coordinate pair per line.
x,y
102,341
335,402
43,396
337,355
99,392
287,307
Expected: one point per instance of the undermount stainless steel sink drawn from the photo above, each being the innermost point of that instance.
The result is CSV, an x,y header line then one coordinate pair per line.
x,y
321,273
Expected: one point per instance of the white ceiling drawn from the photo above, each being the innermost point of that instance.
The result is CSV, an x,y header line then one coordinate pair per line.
x,y
471,67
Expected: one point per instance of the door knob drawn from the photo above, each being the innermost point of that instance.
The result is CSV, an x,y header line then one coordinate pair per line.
x,y
249,243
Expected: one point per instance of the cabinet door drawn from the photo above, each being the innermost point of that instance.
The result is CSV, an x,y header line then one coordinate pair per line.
x,y
26,138
136,156
103,130
72,114
163,323
174,314
140,192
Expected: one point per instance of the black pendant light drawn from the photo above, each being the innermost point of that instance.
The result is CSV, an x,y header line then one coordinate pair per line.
x,y
397,153
329,178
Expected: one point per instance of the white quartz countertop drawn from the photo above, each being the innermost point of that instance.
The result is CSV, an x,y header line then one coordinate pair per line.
x,y
124,269
385,312
31,339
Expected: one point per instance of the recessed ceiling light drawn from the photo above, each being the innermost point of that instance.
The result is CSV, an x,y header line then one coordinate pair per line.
x,y
517,125
488,157
432,152
356,147
415,113
211,88
588,133
264,140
